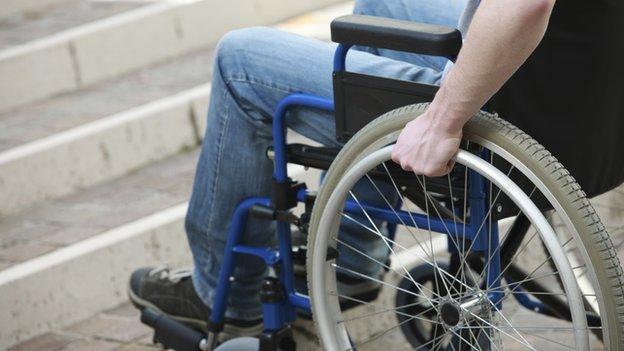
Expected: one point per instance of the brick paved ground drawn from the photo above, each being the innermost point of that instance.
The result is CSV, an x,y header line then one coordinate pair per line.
x,y
116,329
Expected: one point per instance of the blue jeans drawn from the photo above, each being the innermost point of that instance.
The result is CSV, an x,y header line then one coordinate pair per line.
x,y
254,69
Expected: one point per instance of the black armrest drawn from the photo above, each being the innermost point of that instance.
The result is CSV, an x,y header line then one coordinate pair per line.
x,y
386,33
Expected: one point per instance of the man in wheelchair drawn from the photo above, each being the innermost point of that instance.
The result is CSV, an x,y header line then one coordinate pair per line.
x,y
554,70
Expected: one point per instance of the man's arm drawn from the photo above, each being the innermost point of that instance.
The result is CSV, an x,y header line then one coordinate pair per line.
x,y
501,37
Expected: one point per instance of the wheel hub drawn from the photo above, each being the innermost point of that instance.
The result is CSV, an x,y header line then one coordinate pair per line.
x,y
450,314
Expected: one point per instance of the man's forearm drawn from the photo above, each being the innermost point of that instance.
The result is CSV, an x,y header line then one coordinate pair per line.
x,y
501,37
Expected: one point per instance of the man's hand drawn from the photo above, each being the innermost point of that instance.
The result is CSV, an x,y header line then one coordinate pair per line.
x,y
502,35
426,147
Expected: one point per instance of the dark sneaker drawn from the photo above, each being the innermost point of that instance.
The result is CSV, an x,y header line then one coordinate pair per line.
x,y
172,292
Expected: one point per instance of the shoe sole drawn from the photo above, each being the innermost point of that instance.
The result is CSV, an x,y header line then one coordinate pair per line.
x,y
228,329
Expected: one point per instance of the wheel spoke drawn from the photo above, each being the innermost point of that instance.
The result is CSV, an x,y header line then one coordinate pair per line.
x,y
465,283
385,239
432,264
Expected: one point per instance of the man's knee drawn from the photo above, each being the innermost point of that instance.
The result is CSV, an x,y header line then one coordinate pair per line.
x,y
369,7
234,47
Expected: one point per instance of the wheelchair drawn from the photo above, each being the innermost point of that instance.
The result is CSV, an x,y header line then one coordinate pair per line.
x,y
503,253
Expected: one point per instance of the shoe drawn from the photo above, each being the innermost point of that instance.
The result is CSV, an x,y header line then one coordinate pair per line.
x,y
172,293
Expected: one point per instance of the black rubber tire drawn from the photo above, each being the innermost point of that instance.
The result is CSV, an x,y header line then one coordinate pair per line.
x,y
545,167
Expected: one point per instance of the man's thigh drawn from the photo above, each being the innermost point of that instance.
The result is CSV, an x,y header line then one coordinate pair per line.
x,y
262,65
440,12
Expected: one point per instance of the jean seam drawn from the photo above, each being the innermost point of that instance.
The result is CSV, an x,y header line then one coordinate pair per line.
x,y
215,170
249,79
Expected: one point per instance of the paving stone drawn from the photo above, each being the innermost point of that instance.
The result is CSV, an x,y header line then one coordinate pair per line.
x,y
126,310
111,328
148,340
25,251
45,342
137,347
95,345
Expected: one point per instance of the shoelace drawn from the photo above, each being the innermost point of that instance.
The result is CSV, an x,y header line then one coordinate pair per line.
x,y
173,276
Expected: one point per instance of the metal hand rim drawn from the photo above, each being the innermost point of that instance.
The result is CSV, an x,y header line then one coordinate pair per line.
x,y
326,320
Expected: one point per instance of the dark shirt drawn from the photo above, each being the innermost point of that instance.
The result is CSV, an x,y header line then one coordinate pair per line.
x,y
569,95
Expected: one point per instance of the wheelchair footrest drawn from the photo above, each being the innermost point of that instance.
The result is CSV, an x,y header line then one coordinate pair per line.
x,y
173,334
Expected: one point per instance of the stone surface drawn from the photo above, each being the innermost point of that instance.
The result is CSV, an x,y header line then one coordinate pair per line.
x,y
88,277
45,118
47,20
25,251
124,310
95,154
110,328
64,222
45,342
92,344
24,7
127,46
110,47
138,347
35,75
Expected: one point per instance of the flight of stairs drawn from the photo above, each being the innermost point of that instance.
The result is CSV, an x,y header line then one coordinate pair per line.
x,y
102,111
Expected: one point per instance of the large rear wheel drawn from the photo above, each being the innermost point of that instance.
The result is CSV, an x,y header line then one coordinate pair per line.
x,y
463,304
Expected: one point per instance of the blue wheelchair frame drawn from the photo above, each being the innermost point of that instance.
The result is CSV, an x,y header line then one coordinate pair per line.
x,y
278,314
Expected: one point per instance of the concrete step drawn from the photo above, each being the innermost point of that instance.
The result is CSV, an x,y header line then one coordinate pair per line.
x,y
58,146
40,120
80,249
102,49
25,7
45,21
56,224
83,247
62,144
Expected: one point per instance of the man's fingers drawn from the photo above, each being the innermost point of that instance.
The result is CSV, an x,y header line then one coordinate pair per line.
x,y
406,166
451,164
435,170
